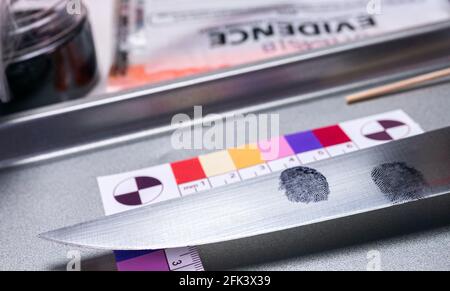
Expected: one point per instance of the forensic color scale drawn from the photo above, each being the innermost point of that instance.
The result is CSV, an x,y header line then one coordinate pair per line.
x,y
261,207
294,149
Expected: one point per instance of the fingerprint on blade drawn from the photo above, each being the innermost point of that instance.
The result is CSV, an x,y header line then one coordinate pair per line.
x,y
304,185
400,182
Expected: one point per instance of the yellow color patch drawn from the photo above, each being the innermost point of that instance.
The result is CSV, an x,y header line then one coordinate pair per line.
x,y
217,163
247,156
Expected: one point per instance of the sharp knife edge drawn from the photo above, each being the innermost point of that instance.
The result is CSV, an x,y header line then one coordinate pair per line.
x,y
259,206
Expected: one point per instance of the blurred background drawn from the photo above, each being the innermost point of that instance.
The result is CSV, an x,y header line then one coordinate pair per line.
x,y
60,50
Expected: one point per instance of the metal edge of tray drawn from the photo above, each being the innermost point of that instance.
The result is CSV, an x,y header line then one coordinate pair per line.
x,y
91,123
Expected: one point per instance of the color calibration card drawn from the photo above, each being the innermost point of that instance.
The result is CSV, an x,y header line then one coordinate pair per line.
x,y
130,190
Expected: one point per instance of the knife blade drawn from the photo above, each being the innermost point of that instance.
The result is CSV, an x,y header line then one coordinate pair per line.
x,y
395,173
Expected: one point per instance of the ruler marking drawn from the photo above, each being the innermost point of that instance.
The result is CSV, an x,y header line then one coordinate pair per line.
x,y
183,267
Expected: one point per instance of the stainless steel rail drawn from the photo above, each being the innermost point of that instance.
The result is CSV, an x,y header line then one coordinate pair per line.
x,y
104,120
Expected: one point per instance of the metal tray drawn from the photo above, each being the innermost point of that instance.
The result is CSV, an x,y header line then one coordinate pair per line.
x,y
89,123
50,157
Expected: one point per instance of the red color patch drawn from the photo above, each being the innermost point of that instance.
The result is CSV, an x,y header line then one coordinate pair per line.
x,y
188,171
331,136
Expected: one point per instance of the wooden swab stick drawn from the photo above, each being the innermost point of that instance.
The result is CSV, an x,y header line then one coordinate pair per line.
x,y
397,86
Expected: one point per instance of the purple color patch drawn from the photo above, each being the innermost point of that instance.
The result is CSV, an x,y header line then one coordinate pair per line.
x,y
155,261
386,124
303,142
131,199
147,182
127,255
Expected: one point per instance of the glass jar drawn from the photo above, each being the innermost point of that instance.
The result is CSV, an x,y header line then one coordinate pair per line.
x,y
50,54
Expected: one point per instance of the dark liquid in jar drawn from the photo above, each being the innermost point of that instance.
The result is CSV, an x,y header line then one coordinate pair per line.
x,y
64,70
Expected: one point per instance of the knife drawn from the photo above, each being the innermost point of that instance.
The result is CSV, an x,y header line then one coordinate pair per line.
x,y
395,173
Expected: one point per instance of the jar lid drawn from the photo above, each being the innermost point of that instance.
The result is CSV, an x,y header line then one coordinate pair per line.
x,y
36,26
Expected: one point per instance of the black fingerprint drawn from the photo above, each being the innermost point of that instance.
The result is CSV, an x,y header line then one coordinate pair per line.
x,y
399,182
304,185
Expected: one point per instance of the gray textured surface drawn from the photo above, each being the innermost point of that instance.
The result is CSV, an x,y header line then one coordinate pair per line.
x,y
57,193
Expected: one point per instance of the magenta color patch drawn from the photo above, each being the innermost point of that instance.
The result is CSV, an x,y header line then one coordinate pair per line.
x,y
276,148
155,261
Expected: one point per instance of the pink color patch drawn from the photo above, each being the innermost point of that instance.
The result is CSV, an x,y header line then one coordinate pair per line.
x,y
274,149
155,262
